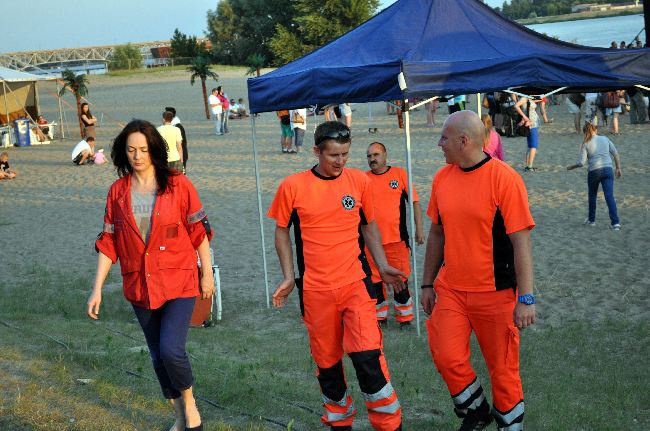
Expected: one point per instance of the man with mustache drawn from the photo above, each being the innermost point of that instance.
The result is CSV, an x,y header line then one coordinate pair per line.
x,y
389,186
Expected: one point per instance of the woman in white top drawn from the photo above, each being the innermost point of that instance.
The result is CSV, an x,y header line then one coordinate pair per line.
x,y
598,151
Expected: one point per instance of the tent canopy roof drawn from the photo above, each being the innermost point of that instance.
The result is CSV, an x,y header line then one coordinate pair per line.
x,y
442,47
11,75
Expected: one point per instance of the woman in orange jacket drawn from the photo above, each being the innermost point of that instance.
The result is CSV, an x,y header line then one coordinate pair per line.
x,y
155,224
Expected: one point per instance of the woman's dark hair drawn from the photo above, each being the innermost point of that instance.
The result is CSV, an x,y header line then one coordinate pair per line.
x,y
157,152
88,114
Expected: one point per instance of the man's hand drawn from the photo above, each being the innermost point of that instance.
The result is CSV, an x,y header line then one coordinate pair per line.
x,y
419,236
393,278
428,299
524,315
207,284
282,292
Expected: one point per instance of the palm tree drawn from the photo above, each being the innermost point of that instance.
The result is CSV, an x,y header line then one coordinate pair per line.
x,y
200,68
255,62
77,85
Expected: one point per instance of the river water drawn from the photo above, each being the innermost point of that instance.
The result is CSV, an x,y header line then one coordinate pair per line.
x,y
598,32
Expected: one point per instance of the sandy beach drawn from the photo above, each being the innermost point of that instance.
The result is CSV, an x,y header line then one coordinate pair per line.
x,y
53,211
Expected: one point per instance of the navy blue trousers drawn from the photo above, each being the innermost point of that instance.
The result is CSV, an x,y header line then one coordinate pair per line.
x,y
165,330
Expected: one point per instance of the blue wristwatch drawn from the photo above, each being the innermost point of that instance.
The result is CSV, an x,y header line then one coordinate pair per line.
x,y
528,299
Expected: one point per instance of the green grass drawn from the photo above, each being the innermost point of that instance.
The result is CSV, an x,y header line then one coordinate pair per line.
x,y
254,371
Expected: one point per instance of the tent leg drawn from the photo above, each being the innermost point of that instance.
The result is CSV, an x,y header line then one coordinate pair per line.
x,y
479,104
4,94
258,186
58,98
414,268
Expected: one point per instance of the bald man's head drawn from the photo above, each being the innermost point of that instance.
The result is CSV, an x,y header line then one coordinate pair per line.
x,y
462,138
468,123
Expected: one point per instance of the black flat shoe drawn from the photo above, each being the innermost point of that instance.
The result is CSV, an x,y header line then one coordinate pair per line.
x,y
196,428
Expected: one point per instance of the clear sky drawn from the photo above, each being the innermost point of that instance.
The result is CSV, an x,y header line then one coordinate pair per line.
x,y
48,24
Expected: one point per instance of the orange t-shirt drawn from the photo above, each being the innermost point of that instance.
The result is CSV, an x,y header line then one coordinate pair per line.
x,y
390,194
326,213
478,208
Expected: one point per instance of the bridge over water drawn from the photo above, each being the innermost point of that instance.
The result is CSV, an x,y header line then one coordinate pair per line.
x,y
40,61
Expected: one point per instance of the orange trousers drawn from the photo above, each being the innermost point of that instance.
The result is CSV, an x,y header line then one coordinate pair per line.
x,y
343,320
490,316
397,255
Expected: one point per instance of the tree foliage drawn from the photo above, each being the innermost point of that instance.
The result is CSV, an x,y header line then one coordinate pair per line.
x,y
317,23
78,86
184,46
200,68
126,57
239,29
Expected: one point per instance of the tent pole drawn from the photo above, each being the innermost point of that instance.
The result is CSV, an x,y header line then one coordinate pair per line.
x,y
479,104
4,94
414,268
58,98
258,186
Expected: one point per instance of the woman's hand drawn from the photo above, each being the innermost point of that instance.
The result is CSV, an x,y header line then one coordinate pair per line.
x,y
207,285
94,302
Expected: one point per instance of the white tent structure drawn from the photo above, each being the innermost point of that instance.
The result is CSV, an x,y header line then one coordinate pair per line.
x,y
20,95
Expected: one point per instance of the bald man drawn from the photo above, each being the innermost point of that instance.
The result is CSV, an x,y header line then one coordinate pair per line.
x,y
480,223
390,190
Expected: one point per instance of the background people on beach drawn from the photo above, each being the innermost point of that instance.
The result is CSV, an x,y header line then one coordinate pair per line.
x,y
162,296
637,106
225,104
216,108
88,120
6,172
431,108
286,132
84,151
174,140
527,109
176,122
299,126
574,103
492,145
598,151
346,113
612,104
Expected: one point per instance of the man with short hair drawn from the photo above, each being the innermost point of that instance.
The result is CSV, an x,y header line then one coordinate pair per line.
x,y
84,151
480,223
176,122
327,206
216,108
174,140
389,186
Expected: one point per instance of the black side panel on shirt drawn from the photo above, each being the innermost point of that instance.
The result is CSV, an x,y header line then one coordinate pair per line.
x,y
362,245
403,231
503,255
297,236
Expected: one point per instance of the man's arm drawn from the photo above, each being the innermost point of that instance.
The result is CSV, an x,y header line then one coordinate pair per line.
x,y
179,147
433,257
285,255
391,276
417,215
524,315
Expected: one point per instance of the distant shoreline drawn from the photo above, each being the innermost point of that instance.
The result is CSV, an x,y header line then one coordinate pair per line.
x,y
580,16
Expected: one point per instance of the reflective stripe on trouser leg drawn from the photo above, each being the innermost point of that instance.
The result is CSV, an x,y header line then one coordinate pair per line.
x,y
512,420
403,305
469,398
381,309
337,402
384,410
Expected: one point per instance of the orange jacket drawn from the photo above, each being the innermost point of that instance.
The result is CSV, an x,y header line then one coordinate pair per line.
x,y
166,266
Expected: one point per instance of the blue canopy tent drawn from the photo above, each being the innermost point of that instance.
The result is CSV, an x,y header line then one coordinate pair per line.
x,y
425,48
